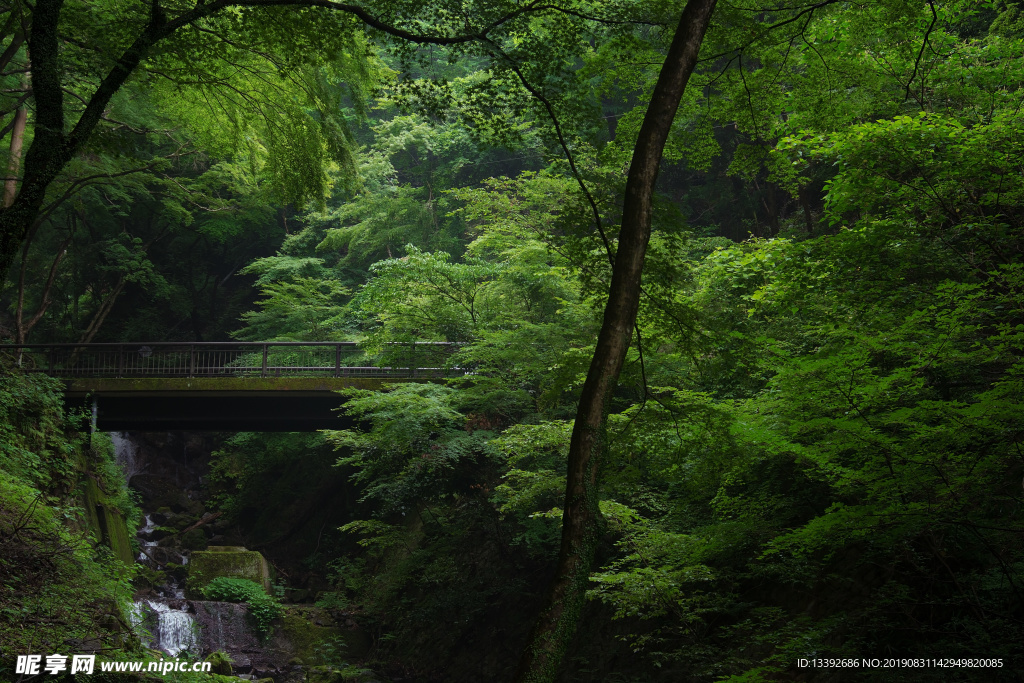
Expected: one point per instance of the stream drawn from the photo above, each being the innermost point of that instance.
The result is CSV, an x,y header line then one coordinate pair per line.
x,y
166,469
163,619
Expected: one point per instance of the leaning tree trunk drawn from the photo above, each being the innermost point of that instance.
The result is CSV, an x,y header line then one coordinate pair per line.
x,y
14,159
581,520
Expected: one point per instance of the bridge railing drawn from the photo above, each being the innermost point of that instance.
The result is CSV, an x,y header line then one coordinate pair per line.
x,y
230,359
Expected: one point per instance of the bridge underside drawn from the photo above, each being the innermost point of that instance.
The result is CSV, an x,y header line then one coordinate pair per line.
x,y
287,404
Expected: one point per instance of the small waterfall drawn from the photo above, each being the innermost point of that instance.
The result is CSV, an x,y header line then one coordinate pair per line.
x,y
126,453
175,630
162,620
142,533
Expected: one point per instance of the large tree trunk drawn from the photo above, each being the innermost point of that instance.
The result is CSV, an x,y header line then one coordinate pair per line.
x,y
52,148
49,152
14,159
581,519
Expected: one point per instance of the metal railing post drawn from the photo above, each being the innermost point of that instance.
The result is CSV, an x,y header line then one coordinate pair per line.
x,y
412,359
337,360
120,360
263,370
49,361
191,360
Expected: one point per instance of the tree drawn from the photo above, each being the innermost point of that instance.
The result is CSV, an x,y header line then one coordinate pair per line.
x,y
74,43
581,521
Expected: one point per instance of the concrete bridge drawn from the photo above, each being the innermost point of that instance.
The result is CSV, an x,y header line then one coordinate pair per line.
x,y
224,386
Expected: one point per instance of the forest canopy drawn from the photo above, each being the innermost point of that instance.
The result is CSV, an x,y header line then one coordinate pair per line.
x,y
813,445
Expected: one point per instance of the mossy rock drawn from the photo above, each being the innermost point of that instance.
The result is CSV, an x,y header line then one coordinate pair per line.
x,y
348,674
304,637
161,532
220,663
194,540
106,522
323,674
117,535
180,522
145,577
178,571
233,562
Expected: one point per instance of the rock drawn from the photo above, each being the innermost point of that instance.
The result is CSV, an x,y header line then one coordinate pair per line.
x,y
157,492
146,577
220,663
176,570
232,561
194,540
162,556
323,674
181,522
223,627
106,521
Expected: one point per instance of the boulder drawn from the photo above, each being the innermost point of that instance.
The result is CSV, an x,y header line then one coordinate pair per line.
x,y
230,561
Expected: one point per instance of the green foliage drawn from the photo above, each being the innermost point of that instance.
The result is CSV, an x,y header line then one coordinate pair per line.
x,y
308,309
36,446
52,573
111,479
814,447
853,426
426,295
263,481
263,608
415,442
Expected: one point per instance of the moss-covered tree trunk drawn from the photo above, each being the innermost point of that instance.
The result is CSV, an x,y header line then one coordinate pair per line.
x,y
581,520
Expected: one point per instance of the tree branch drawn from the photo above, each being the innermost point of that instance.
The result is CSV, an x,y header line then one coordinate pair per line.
x,y
924,44
565,147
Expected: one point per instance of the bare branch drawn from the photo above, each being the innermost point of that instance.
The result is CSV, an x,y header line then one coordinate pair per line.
x,y
565,147
924,43
809,9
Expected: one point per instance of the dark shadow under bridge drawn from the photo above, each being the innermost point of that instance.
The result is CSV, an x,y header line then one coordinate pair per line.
x,y
225,386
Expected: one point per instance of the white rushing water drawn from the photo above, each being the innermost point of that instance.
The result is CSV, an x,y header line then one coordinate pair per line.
x,y
146,530
161,626
126,453
175,630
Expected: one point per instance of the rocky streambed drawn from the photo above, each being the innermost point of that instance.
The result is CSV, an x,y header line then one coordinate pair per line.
x,y
183,546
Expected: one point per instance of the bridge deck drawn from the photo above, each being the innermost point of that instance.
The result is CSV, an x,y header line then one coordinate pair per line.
x,y
229,386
